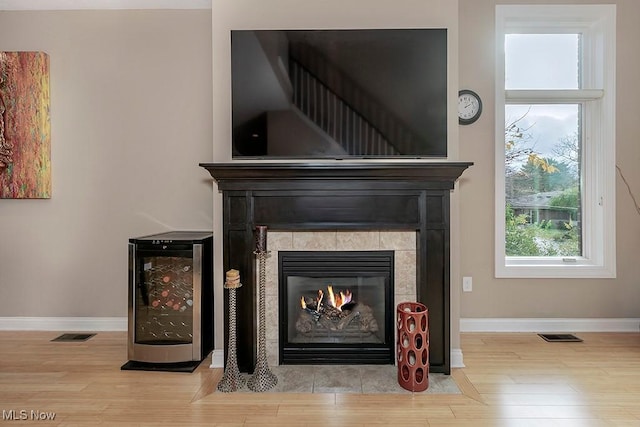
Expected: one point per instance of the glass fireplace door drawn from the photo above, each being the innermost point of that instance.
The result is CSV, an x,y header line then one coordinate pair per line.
x,y
336,307
339,310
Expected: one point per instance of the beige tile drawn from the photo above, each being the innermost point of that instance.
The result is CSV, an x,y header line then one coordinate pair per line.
x,y
399,298
295,379
282,241
358,240
342,379
279,241
405,271
402,242
398,240
271,317
314,240
272,352
271,274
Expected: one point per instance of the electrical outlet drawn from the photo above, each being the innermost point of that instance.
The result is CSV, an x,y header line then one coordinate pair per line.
x,y
467,284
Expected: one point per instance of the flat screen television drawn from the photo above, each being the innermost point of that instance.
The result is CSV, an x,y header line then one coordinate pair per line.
x,y
360,93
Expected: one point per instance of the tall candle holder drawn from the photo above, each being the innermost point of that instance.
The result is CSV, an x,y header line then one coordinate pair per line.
x,y
262,378
231,380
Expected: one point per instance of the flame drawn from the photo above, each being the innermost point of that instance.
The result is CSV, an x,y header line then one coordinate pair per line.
x,y
335,300
339,300
346,297
332,297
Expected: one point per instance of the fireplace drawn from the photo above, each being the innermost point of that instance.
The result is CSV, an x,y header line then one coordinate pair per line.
x,y
336,307
340,196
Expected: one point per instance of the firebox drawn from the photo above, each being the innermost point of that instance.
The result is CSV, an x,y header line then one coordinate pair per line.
x,y
336,307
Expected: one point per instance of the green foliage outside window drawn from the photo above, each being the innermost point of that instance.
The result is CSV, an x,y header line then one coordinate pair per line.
x,y
520,239
569,201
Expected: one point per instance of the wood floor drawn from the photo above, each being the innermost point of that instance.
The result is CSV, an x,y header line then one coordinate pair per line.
x,y
509,380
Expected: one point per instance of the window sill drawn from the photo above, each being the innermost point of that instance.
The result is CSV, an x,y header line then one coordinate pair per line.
x,y
553,268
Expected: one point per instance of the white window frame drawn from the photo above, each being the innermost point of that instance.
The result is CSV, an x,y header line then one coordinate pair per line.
x,y
597,24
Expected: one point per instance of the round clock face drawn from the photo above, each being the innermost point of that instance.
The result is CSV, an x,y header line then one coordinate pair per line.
x,y
469,107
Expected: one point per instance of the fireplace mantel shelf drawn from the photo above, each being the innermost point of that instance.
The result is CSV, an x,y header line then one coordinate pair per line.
x,y
432,174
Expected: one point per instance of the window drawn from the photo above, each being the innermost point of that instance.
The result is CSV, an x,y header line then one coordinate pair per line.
x,y
555,141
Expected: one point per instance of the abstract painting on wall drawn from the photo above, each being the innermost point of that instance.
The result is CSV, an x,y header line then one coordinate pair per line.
x,y
25,126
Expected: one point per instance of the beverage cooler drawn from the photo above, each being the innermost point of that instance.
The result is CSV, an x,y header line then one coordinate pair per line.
x,y
170,297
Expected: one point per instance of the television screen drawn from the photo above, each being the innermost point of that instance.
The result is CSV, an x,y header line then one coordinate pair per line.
x,y
339,93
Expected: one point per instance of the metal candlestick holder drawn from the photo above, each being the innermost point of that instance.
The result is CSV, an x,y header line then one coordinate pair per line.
x,y
231,380
262,378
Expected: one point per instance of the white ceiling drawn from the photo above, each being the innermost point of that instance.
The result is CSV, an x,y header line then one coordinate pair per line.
x,y
102,4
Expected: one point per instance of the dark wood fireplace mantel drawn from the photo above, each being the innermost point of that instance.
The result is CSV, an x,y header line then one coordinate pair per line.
x,y
440,175
340,196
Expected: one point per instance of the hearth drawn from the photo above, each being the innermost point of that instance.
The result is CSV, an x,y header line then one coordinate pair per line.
x,y
336,307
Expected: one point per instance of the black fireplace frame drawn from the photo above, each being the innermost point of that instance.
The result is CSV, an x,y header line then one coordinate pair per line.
x,y
326,264
340,196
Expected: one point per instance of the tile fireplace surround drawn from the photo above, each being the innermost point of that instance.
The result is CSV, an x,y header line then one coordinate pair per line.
x,y
403,243
341,196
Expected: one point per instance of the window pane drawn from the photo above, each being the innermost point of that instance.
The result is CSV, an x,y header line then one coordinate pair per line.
x,y
542,180
542,61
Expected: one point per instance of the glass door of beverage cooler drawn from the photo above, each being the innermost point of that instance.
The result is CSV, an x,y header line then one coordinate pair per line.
x,y
164,308
165,303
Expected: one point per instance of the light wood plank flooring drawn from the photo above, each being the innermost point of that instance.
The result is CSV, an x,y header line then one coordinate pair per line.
x,y
509,380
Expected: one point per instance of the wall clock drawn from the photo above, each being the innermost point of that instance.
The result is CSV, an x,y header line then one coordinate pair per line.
x,y
469,107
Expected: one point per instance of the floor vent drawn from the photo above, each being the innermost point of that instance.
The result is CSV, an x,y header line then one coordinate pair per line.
x,y
73,337
560,338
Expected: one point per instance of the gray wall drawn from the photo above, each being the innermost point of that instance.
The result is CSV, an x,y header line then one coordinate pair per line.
x,y
130,121
543,298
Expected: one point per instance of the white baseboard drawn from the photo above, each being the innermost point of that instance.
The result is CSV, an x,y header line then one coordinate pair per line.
x,y
71,324
540,325
456,358
537,325
217,359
